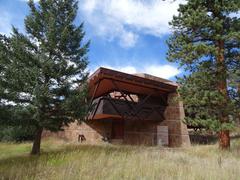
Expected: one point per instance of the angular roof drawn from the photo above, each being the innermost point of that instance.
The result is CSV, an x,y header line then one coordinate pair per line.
x,y
109,80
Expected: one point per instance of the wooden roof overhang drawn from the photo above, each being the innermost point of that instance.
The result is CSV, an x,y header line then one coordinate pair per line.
x,y
117,117
104,81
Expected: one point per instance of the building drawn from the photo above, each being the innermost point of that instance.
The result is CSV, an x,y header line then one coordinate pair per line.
x,y
131,109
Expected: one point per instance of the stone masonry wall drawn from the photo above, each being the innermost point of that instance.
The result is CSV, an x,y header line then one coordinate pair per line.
x,y
177,130
93,131
140,132
135,132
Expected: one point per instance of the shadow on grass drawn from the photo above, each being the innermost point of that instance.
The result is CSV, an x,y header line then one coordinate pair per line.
x,y
47,152
67,149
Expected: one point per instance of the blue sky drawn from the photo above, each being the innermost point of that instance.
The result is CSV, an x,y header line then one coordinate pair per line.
x,y
126,35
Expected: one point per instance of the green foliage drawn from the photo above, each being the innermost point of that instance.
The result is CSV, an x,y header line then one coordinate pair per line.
x,y
16,133
198,31
202,102
15,124
42,71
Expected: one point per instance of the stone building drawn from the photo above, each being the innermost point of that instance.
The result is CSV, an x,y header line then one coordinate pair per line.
x,y
131,109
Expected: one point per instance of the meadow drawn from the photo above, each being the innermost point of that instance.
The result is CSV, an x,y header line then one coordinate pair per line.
x,y
61,160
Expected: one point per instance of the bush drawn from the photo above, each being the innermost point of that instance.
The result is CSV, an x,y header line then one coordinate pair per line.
x,y
17,134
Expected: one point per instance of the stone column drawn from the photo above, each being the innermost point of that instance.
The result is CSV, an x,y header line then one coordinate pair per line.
x,y
177,130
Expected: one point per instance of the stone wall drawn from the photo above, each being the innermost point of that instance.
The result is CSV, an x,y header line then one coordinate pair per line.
x,y
140,132
93,131
174,114
135,132
145,132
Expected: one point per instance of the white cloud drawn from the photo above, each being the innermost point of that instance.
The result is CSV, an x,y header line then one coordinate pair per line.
x,y
128,39
163,71
116,19
5,22
128,69
236,14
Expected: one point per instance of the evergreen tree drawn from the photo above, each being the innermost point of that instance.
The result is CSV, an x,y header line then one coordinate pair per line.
x,y
206,42
43,73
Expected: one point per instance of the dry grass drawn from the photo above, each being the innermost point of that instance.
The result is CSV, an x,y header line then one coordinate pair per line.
x,y
65,161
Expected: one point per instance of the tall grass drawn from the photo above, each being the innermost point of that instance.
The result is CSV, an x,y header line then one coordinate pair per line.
x,y
66,161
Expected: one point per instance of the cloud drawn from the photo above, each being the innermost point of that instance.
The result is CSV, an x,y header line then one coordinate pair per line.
x,y
128,39
164,71
115,19
5,23
236,14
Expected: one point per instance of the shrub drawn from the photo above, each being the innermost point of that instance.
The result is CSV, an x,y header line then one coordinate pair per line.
x,y
17,134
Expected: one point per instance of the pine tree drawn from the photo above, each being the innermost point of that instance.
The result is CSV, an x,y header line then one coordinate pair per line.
x,y
44,71
206,42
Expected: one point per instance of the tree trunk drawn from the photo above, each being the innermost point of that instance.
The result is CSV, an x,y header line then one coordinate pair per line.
x,y
224,138
37,142
238,90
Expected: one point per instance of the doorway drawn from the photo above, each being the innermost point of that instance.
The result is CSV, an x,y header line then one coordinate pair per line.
x,y
117,129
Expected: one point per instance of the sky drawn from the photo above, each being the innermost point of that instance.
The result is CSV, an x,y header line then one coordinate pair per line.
x,y
126,35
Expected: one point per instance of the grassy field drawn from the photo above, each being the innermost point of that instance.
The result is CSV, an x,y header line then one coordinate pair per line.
x,y
67,161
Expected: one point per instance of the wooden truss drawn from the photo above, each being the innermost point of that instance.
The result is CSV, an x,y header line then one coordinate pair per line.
x,y
141,110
